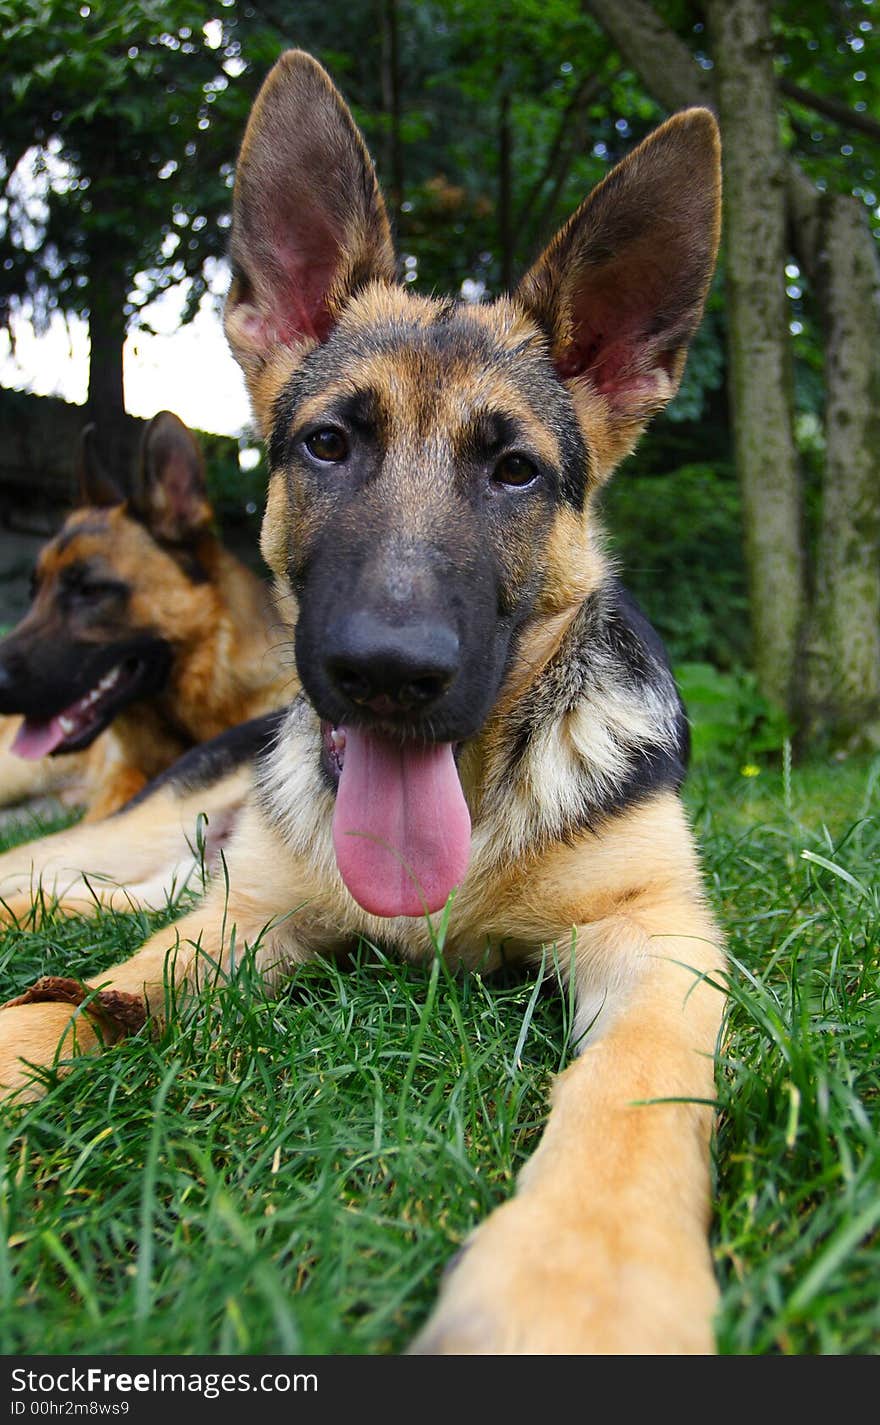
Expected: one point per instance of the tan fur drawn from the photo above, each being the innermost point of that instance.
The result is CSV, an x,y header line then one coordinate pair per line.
x,y
159,850
604,1246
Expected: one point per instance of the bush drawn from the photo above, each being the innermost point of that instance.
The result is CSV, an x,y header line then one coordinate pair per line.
x,y
678,542
731,723
238,496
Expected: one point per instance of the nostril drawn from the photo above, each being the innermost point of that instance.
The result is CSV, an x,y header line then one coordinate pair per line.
x,y
351,682
419,691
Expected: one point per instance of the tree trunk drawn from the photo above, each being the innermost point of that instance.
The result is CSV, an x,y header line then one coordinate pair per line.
x,y
663,61
843,650
841,663
105,405
758,340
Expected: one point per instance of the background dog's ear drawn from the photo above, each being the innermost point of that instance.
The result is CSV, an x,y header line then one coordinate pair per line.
x,y
621,288
94,486
308,223
169,492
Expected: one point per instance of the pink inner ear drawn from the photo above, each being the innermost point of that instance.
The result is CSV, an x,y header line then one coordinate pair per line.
x,y
295,261
305,281
607,363
619,362
180,486
617,336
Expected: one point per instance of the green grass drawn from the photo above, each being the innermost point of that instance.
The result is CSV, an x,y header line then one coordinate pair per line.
x,y
289,1172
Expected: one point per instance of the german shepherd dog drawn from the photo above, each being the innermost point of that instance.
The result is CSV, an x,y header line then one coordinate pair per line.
x,y
484,710
141,619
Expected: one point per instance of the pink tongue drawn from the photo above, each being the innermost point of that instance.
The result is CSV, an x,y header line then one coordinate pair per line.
x,y
37,739
401,829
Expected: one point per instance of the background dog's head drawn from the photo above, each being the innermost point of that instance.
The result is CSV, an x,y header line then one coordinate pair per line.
x,y
109,595
432,462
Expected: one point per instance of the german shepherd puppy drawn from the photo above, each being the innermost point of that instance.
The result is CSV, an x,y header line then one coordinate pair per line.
x,y
141,619
485,714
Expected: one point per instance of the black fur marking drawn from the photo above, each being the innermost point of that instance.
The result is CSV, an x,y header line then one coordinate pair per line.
x,y
97,523
487,435
93,579
187,561
210,761
610,646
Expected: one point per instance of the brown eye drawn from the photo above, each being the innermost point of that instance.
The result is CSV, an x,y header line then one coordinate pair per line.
x,y
328,445
514,470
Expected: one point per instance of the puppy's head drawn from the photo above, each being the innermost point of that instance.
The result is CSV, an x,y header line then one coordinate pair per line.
x,y
432,462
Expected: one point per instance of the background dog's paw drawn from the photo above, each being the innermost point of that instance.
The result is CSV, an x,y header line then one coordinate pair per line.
x,y
532,1282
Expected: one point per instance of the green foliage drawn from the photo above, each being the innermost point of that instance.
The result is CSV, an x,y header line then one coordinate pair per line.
x,y
677,540
111,107
238,495
830,53
732,724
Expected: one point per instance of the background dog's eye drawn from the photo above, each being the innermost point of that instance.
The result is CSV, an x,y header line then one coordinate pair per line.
x,y
98,590
329,445
515,470
82,590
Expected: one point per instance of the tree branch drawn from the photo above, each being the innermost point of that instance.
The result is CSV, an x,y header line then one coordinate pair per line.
x,y
832,109
586,90
654,51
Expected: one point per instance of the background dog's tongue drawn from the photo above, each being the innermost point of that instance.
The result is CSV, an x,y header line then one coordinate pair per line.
x,y
37,739
401,829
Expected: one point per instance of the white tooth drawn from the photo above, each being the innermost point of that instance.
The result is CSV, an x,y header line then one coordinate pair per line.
x,y
66,724
338,739
108,680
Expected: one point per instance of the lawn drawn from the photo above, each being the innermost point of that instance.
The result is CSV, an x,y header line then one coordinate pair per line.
x,y
289,1173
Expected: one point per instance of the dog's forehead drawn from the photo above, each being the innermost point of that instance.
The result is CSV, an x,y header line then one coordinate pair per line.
x,y
431,366
85,533
93,536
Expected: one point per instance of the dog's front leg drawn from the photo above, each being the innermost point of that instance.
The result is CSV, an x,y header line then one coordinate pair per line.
x,y
59,1019
604,1248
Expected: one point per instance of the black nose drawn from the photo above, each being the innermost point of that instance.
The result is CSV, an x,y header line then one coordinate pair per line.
x,y
390,667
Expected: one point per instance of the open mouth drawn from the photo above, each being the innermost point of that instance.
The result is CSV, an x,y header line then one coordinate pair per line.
x,y
76,726
401,826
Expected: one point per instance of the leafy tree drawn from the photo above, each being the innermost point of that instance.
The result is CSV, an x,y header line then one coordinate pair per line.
x,y
799,217
116,163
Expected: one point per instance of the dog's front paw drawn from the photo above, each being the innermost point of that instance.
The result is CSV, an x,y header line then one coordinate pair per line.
x,y
534,1280
35,1036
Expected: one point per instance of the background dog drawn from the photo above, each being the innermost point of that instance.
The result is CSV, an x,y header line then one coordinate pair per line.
x,y
142,622
485,715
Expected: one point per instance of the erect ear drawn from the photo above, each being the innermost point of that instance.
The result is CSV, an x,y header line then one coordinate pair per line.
x,y
308,223
621,288
169,488
94,485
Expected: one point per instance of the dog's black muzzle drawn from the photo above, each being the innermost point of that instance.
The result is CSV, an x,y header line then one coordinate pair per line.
x,y
410,650
391,669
